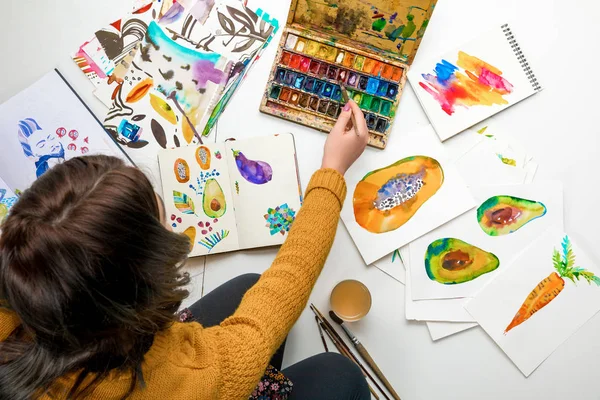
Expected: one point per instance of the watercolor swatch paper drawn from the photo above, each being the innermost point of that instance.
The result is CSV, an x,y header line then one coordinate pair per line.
x,y
7,200
459,258
45,125
473,82
550,291
399,195
233,195
393,265
441,330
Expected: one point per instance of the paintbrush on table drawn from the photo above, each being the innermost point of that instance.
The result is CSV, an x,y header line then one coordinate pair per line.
x,y
346,98
364,354
321,333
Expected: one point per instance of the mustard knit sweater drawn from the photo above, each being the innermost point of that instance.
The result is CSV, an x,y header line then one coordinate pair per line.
x,y
187,361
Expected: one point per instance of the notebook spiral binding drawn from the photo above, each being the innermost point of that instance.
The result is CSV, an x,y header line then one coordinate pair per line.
x,y
521,57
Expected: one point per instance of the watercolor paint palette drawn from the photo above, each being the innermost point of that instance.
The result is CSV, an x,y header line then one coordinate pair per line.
x,y
368,53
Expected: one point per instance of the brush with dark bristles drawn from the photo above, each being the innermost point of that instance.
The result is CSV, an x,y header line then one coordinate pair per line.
x,y
347,100
365,355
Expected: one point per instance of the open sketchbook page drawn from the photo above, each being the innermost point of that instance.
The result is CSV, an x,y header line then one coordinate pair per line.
x,y
264,183
471,83
198,198
45,125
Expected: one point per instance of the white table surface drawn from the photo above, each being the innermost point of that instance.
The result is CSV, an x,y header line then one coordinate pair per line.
x,y
557,126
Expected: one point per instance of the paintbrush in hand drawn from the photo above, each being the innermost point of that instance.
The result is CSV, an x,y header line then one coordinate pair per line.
x,y
346,98
364,354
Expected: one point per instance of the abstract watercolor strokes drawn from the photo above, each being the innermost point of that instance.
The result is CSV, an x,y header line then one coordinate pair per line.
x,y
385,199
451,261
280,219
257,172
478,83
551,286
502,215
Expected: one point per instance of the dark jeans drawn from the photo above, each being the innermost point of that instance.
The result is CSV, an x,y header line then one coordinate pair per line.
x,y
324,376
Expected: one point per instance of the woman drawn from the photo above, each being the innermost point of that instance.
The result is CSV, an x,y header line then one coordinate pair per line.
x,y
90,282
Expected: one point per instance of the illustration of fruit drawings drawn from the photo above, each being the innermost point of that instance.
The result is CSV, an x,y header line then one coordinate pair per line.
x,y
550,287
502,215
213,199
203,157
451,261
385,199
254,171
182,170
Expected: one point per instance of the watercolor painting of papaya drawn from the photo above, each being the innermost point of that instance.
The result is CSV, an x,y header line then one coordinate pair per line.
x,y
503,215
471,82
256,172
550,287
387,198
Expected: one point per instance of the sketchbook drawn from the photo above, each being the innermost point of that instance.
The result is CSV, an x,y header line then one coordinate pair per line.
x,y
233,195
466,85
44,125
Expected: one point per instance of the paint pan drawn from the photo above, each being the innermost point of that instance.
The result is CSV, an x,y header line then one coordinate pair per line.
x,y
342,75
397,75
387,72
280,75
381,125
349,60
337,93
332,72
300,45
291,41
286,58
323,106
318,87
357,97
285,94
312,48
304,98
313,103
305,64
295,61
314,67
359,63
392,91
377,68
275,91
368,66
372,85
299,82
363,82
332,109
376,105
290,78
323,70
323,51
371,121
352,79
309,84
328,90
386,108
366,101
331,54
294,98
340,57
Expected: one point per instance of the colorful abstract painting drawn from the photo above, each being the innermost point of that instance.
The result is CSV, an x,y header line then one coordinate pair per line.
x,y
503,215
385,199
471,82
212,240
280,219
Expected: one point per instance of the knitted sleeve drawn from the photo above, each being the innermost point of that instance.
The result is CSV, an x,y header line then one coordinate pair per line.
x,y
8,322
246,341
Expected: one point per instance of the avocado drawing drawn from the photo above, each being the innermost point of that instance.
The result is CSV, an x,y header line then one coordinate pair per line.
x,y
451,261
502,215
257,172
385,199
213,199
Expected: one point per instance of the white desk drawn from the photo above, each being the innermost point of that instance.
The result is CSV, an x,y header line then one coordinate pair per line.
x,y
556,125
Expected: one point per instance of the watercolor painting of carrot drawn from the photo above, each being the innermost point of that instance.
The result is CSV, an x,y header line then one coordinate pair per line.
x,y
550,287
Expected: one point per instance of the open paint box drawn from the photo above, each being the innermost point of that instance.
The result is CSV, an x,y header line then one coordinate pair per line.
x,y
365,46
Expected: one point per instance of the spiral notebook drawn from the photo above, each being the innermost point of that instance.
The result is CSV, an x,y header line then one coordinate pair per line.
x,y
473,82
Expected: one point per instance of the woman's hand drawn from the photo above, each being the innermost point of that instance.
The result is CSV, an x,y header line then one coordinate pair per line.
x,y
346,142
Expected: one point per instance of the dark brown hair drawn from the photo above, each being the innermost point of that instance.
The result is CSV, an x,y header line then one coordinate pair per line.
x,y
91,272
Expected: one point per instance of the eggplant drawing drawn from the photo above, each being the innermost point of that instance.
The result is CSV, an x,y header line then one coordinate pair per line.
x,y
257,172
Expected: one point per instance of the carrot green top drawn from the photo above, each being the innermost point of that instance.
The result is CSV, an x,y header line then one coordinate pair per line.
x,y
565,264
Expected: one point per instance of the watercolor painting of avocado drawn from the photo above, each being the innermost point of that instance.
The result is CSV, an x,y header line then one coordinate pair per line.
x,y
551,287
459,258
233,195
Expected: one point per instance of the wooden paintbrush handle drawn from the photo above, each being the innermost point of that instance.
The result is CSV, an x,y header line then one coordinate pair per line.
x,y
369,360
